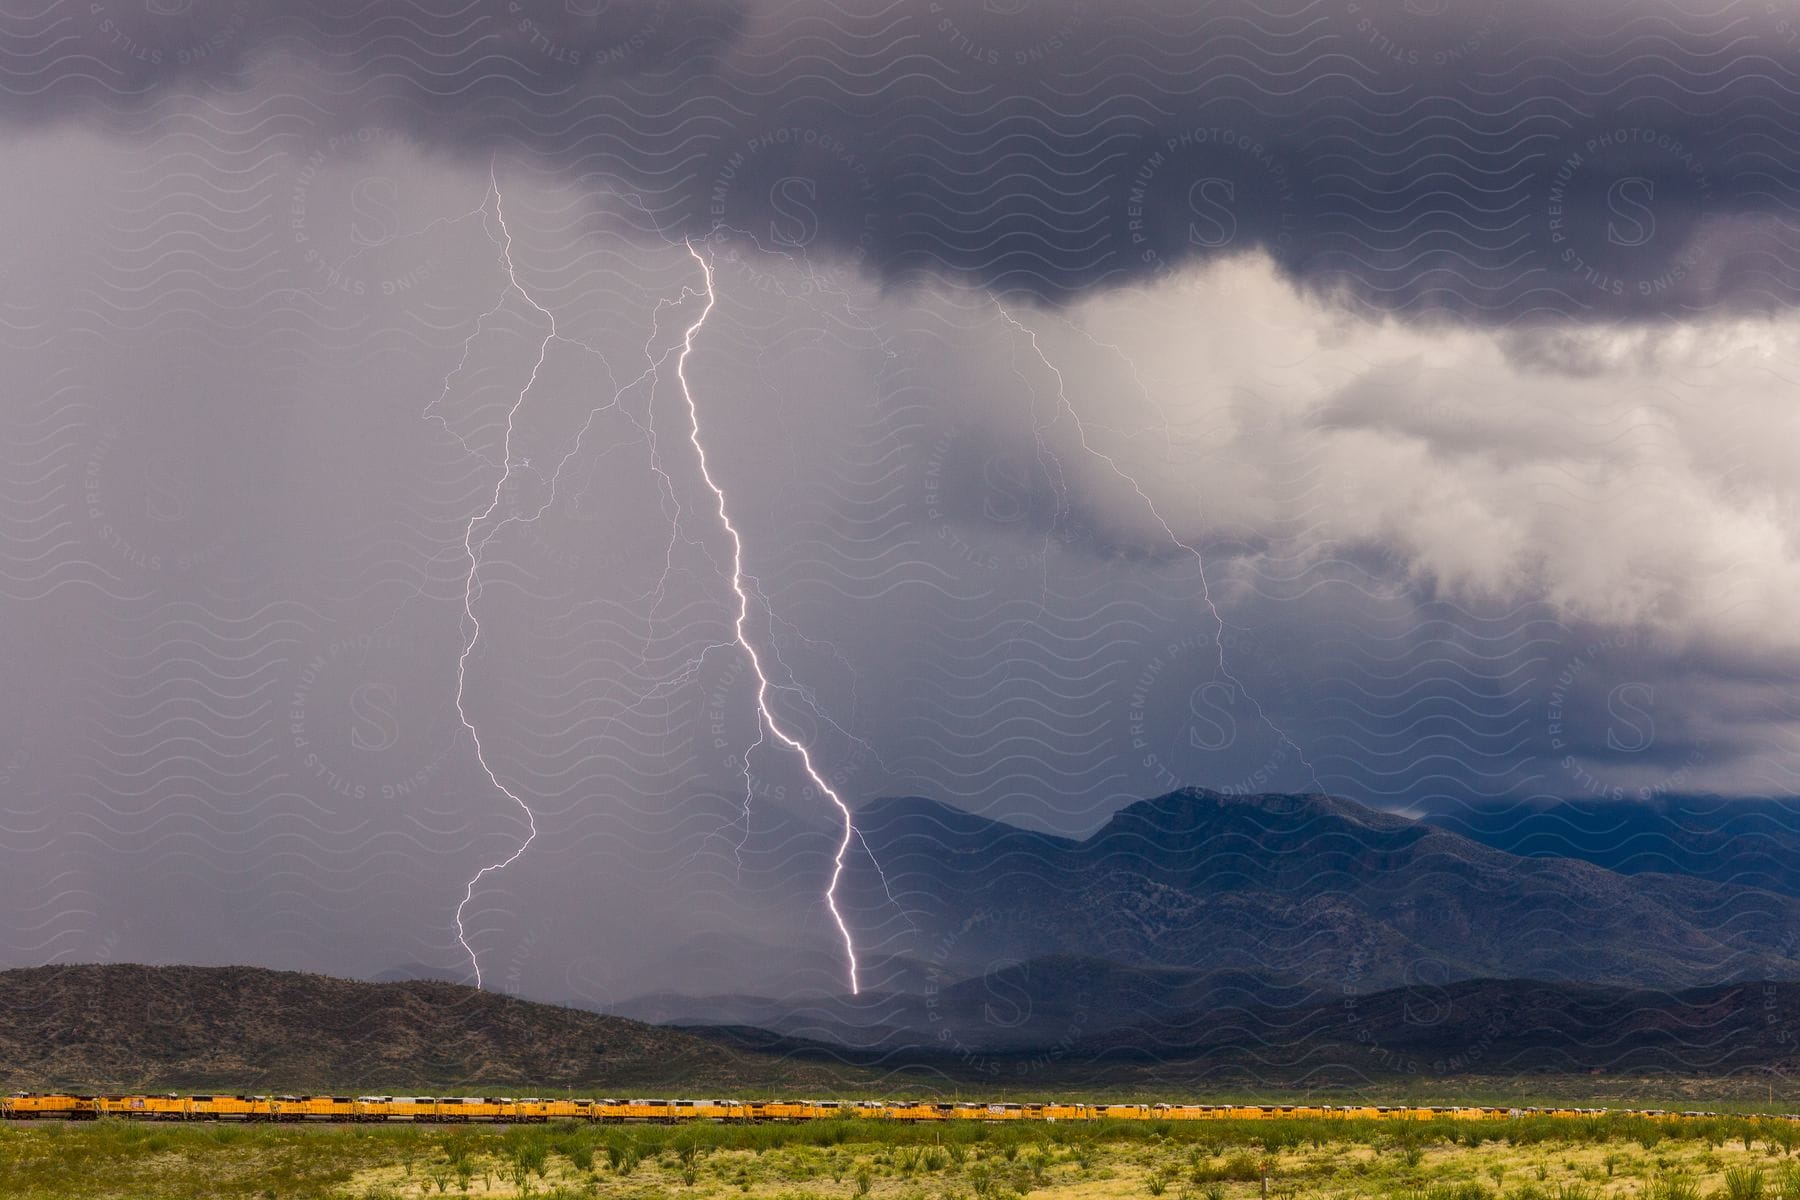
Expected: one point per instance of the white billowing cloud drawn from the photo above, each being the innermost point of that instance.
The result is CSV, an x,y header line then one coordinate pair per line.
x,y
1637,476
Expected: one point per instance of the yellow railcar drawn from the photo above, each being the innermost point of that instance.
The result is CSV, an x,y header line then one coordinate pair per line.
x,y
500,1109
929,1110
536,1109
912,1110
1182,1112
645,1110
778,1110
313,1108
1121,1112
709,1110
457,1110
168,1107
410,1108
27,1106
231,1108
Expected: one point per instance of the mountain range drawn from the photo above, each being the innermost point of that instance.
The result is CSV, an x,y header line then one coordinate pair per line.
x,y
123,1027
1197,902
1195,940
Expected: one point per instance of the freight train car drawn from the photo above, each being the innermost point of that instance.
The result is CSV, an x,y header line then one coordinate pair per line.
x,y
24,1106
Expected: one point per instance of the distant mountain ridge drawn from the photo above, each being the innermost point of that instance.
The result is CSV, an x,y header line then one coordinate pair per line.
x,y
1748,841
1699,1041
1478,1027
999,939
1016,1005
1317,889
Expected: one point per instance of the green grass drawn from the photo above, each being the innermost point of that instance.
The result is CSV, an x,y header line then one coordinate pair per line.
x,y
1600,1158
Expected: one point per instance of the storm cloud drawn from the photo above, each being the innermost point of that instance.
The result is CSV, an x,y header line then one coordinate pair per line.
x,y
1497,160
1386,398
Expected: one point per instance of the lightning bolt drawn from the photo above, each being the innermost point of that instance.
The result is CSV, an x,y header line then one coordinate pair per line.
x,y
743,586
471,584
1112,464
473,549
765,713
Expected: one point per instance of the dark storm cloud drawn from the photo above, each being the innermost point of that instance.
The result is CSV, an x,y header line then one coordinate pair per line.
x,y
267,347
1494,159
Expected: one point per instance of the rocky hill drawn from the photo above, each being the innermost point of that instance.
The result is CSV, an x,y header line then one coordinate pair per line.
x,y
127,1027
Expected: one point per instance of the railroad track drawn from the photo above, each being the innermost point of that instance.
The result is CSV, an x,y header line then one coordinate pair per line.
x,y
503,1110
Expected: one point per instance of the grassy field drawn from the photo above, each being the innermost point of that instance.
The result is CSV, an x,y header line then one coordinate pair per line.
x,y
1601,1158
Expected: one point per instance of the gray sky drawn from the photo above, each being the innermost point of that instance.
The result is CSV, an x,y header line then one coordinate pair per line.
x,y
1390,399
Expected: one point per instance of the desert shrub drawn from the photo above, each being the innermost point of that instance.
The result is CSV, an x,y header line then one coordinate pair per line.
x,y
1744,1183
1672,1187
1239,1168
1453,1191
1280,1136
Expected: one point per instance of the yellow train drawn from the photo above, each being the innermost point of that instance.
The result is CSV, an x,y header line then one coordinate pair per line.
x,y
21,1106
